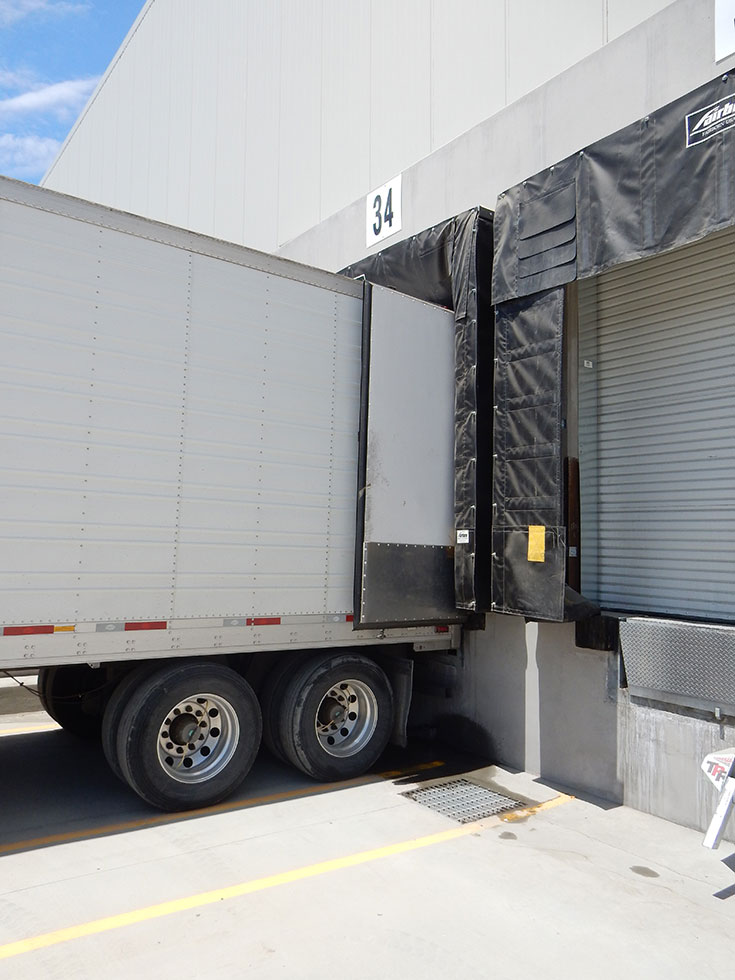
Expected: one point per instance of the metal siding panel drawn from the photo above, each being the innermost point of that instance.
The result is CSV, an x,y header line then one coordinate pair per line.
x,y
400,71
106,157
131,467
231,121
100,459
542,42
91,418
470,87
119,107
204,72
180,42
142,82
345,96
84,168
300,122
623,15
657,443
267,519
157,28
262,155
41,463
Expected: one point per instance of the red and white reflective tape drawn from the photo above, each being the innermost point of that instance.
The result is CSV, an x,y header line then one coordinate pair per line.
x,y
162,624
33,630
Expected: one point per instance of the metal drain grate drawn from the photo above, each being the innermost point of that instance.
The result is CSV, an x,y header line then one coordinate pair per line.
x,y
462,800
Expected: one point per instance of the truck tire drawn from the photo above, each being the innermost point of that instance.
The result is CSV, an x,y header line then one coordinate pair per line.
x,y
336,716
113,713
187,735
271,698
63,692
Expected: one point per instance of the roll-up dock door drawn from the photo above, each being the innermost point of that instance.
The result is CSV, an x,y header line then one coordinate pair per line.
x,y
657,432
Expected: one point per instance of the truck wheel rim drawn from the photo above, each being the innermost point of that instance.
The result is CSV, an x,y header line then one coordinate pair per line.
x,y
198,738
346,718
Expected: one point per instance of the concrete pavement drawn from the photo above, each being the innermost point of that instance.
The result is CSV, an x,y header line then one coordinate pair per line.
x,y
292,880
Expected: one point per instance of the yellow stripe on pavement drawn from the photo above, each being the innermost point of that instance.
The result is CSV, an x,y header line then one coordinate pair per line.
x,y
202,899
225,894
29,728
536,808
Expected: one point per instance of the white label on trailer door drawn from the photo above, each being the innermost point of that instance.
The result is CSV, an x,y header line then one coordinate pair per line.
x,y
383,212
724,28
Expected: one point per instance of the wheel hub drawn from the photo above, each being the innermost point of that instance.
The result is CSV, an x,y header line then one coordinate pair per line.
x,y
346,718
198,738
183,729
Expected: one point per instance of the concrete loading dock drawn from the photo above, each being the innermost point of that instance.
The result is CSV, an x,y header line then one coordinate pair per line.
x,y
95,884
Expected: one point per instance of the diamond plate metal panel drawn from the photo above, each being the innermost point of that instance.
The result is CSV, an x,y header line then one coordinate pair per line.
x,y
688,663
462,800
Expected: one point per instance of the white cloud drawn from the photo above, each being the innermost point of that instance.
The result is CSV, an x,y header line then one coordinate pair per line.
x,y
12,11
27,157
19,79
61,98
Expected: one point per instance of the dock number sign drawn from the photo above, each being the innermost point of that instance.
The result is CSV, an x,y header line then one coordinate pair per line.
x,y
383,212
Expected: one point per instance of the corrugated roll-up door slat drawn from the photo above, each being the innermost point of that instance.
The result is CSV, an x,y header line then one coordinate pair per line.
x,y
657,433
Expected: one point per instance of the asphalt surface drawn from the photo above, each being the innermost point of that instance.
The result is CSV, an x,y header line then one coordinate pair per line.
x,y
292,879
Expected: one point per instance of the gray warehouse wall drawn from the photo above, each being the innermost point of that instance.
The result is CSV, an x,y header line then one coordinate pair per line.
x,y
253,120
668,55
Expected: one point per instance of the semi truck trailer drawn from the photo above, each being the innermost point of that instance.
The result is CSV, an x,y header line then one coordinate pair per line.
x,y
226,497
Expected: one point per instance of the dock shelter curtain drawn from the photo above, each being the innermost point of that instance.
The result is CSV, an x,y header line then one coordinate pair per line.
x,y
664,181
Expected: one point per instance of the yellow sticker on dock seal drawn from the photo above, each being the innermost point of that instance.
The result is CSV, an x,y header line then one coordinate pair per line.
x,y
536,542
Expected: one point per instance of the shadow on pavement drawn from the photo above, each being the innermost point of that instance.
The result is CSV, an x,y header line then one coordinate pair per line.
x,y
578,794
58,788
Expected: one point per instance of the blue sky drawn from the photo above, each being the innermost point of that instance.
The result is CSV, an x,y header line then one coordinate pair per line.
x,y
52,54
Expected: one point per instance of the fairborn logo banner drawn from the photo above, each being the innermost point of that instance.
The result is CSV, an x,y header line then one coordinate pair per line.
x,y
711,120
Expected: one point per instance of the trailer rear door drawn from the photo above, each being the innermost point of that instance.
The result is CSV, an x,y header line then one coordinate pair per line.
x,y
405,547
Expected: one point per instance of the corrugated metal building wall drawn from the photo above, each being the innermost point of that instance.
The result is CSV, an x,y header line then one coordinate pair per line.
x,y
253,120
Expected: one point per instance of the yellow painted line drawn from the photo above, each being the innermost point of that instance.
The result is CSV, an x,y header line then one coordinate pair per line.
x,y
29,728
227,807
234,891
403,773
537,808
162,909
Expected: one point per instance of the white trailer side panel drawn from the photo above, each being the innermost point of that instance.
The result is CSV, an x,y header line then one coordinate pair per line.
x,y
267,521
178,442
91,379
178,433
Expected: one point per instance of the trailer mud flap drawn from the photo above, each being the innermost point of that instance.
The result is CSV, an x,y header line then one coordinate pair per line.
x,y
404,572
